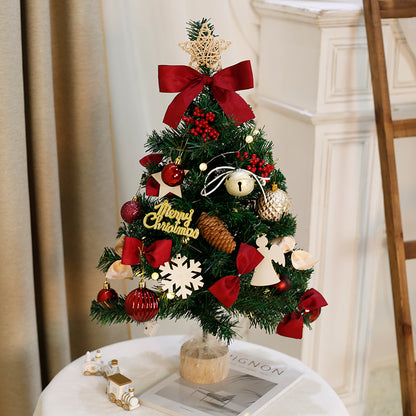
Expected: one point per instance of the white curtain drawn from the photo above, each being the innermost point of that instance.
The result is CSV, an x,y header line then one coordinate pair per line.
x,y
57,191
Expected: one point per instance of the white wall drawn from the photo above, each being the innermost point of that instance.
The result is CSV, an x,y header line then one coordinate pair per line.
x,y
319,105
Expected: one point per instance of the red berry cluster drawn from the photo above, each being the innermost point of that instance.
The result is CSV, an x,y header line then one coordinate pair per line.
x,y
255,164
200,124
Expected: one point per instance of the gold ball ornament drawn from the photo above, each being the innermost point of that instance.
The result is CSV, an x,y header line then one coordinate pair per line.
x,y
203,167
155,275
275,203
239,183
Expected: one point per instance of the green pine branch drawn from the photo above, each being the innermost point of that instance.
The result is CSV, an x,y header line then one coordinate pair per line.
x,y
110,312
195,26
108,257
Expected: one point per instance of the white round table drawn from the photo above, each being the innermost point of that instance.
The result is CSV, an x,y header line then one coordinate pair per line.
x,y
147,361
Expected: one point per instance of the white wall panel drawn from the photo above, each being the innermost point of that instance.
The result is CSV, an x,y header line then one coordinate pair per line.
x,y
330,124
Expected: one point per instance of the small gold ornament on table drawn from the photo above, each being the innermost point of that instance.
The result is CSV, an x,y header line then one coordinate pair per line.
x,y
119,388
273,204
120,391
111,368
93,366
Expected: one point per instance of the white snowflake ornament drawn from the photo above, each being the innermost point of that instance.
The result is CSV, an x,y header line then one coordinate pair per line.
x,y
181,276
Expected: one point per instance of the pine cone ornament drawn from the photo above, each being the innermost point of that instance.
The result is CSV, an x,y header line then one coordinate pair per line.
x,y
274,205
214,231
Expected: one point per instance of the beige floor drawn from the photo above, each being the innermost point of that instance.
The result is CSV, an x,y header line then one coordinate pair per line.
x,y
383,395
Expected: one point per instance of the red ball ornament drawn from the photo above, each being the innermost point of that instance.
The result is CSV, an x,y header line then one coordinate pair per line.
x,y
313,315
173,174
284,285
131,211
106,293
141,304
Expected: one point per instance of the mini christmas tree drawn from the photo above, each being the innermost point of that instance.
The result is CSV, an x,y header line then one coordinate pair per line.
x,y
211,221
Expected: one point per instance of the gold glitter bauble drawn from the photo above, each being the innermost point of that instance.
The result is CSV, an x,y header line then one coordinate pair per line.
x,y
155,275
203,166
274,205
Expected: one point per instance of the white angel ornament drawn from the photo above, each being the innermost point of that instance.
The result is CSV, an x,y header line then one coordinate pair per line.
x,y
264,273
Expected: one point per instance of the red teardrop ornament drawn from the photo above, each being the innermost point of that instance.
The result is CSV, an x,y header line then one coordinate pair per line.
x,y
131,211
141,304
173,174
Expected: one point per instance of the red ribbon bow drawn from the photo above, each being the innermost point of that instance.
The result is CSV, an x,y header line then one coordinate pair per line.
x,y
226,289
152,187
147,161
189,83
292,325
156,254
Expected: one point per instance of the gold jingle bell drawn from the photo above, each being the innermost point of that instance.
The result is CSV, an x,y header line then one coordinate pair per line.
x,y
239,183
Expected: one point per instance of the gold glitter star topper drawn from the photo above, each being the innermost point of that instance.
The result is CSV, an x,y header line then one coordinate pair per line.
x,y
205,50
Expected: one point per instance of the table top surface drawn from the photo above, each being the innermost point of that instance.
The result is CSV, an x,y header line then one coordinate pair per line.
x,y
146,361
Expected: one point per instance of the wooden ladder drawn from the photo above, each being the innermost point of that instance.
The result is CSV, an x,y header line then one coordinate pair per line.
x,y
387,131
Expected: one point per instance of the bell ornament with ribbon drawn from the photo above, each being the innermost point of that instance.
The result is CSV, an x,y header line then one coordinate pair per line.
x,y
239,183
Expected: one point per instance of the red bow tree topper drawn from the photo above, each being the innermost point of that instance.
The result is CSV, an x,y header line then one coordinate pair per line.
x,y
189,83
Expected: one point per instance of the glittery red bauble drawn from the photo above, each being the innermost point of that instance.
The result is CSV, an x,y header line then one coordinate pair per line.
x,y
130,211
172,174
106,294
284,285
313,316
141,304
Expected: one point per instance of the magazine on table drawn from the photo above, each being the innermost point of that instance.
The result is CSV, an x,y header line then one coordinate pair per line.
x,y
251,384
